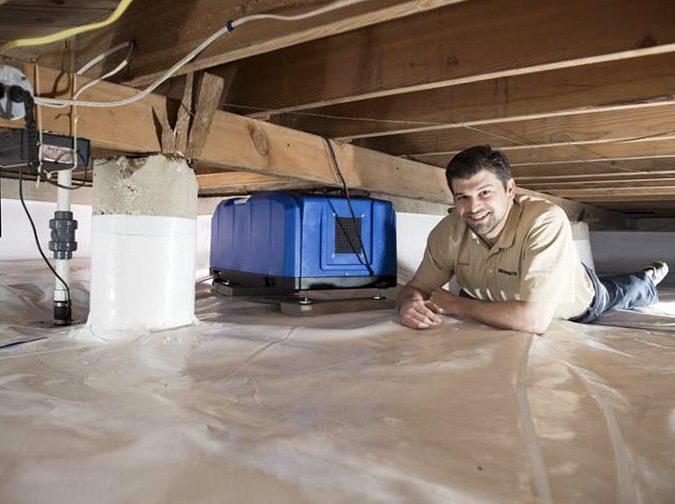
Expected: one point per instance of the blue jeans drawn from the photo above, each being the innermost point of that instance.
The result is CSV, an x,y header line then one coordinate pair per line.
x,y
619,292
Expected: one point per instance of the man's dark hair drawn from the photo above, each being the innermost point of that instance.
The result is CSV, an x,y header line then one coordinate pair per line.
x,y
474,159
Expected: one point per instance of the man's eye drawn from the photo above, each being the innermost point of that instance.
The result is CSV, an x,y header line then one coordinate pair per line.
x,y
484,193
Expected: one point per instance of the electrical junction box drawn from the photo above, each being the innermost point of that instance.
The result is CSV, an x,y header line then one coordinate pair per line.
x,y
10,78
290,241
57,150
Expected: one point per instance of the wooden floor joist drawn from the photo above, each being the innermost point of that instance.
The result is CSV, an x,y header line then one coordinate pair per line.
x,y
598,88
179,26
661,205
580,129
593,169
604,183
653,148
433,49
236,141
234,182
609,194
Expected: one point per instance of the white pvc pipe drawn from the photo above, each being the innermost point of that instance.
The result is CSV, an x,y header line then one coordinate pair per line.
x,y
62,266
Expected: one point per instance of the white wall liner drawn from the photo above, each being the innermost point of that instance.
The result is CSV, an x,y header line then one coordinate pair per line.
x,y
142,274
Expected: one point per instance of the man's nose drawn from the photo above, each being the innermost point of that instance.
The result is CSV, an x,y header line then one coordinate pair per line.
x,y
474,205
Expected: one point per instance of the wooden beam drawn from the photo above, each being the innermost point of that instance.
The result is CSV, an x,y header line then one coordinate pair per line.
x,y
653,148
590,169
597,88
576,211
604,183
581,129
30,18
208,94
656,210
470,42
618,194
178,27
21,19
236,141
229,183
654,204
621,178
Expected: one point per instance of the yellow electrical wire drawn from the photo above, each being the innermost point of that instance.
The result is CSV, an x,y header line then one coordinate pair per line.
x,y
70,32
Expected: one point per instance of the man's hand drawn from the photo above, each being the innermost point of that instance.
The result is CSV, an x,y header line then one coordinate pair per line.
x,y
446,302
526,316
419,314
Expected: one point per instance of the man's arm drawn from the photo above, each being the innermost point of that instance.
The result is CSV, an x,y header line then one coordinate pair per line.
x,y
526,316
415,310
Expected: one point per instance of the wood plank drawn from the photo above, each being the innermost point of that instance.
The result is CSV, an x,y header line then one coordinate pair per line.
x,y
576,211
603,179
236,141
621,85
232,183
657,210
661,147
31,18
470,42
66,4
590,169
178,27
208,94
654,204
617,194
582,129
599,183
19,19
252,145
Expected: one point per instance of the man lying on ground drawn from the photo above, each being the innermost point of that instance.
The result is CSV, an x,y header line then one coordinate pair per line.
x,y
513,257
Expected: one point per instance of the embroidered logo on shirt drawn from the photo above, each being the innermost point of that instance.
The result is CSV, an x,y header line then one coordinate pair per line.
x,y
506,272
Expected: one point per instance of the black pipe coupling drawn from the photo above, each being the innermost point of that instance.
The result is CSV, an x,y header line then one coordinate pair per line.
x,y
63,228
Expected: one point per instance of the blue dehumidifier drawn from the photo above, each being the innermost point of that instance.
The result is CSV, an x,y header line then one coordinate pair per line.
x,y
290,241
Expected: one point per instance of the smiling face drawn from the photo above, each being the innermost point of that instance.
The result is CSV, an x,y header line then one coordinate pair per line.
x,y
484,203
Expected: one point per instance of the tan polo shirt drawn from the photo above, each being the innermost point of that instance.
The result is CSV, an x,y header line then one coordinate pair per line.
x,y
534,259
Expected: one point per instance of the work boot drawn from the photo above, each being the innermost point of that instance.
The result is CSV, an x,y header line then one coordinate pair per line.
x,y
657,271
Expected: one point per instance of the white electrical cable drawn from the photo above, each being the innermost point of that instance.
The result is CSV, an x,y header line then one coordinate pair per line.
x,y
227,28
112,72
102,56
86,67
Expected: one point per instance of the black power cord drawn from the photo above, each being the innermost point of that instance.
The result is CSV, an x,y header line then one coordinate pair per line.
x,y
345,189
72,187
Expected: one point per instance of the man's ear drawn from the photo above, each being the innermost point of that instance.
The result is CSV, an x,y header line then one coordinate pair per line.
x,y
511,187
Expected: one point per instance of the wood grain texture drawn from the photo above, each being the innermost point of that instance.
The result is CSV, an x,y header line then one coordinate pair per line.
x,y
233,182
579,129
469,42
208,94
179,26
614,194
622,85
652,148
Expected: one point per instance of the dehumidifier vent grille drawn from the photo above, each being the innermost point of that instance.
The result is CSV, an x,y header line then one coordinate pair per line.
x,y
347,234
